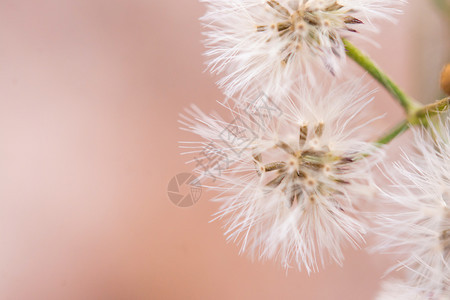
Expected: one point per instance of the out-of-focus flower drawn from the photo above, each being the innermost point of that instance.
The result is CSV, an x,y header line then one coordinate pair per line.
x,y
272,44
294,172
418,228
398,290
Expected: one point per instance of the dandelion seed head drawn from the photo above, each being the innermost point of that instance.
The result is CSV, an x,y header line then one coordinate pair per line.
x,y
272,44
289,193
418,230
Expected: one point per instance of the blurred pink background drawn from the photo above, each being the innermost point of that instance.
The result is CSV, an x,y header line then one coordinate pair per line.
x,y
90,96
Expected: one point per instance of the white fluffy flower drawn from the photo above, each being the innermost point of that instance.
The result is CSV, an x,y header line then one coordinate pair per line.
x,y
398,290
418,229
289,175
272,44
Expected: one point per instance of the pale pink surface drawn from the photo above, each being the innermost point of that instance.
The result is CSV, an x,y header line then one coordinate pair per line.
x,y
90,96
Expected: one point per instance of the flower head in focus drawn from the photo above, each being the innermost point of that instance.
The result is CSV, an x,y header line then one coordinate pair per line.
x,y
271,44
418,229
292,176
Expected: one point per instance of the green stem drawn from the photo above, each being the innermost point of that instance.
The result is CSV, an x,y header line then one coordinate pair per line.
x,y
430,110
420,117
367,64
444,6
393,133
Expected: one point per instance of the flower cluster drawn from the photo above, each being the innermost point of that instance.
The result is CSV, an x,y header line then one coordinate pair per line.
x,y
293,167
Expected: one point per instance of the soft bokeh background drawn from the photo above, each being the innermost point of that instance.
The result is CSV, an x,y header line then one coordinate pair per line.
x,y
90,96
